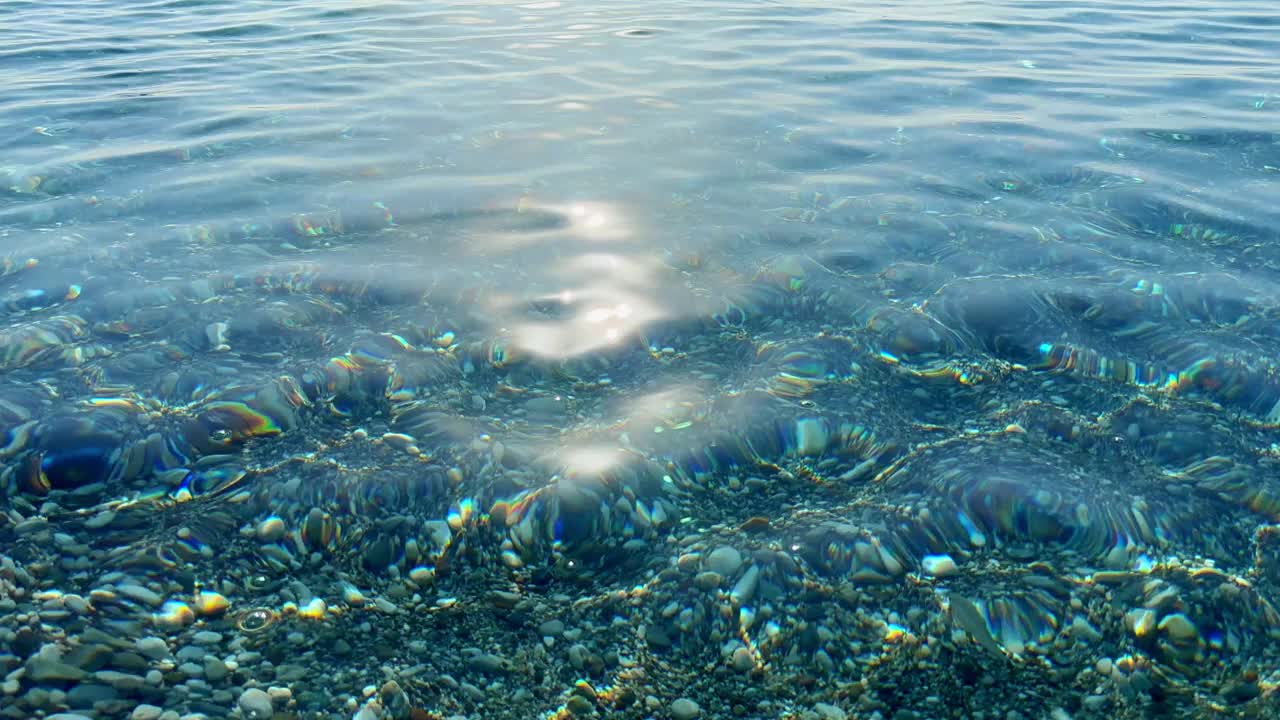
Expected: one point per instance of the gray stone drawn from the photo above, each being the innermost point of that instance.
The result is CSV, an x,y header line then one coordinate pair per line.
x,y
578,655
76,604
207,637
214,669
141,594
191,653
657,637
85,695
830,712
488,663
94,635
152,647
745,589
41,669
685,709
255,704
146,712
708,580
395,703
292,673
473,692
119,680
88,657
551,628
129,661
280,694
724,560
38,697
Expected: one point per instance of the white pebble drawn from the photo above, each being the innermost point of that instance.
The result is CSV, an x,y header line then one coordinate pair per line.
x,y
939,565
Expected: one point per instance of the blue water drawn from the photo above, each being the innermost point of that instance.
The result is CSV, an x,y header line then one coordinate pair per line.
x,y
956,322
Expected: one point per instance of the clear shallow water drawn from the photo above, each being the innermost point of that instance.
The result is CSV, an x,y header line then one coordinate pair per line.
x,y
957,323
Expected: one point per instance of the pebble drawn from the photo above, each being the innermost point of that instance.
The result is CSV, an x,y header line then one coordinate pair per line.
x,y
190,653
280,694
214,669
89,656
487,662
1081,628
578,655
120,680
708,580
579,706
131,661
210,603
255,704
100,520
152,647
41,669
657,637
271,529
206,637
94,635
724,560
146,712
141,594
830,712
939,565
76,604
685,709
85,695
745,589
1094,703
551,628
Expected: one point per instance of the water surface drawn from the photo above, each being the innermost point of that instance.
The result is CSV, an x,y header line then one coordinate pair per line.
x,y
799,359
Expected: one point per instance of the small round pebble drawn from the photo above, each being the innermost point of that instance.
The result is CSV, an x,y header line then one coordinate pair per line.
x,y
724,560
685,709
